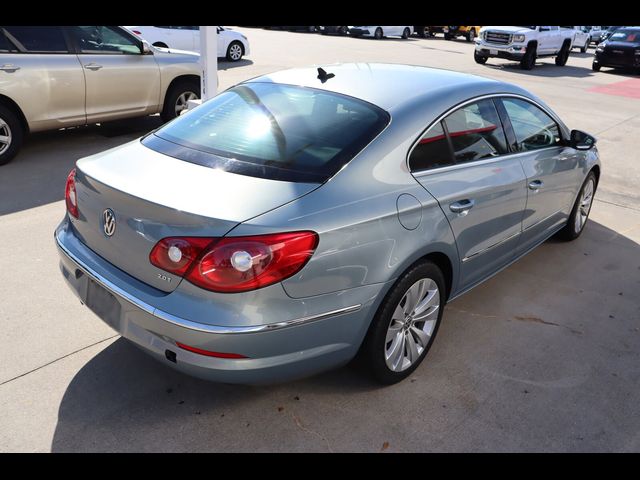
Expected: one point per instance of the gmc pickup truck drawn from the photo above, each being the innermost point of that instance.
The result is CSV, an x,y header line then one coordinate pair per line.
x,y
524,44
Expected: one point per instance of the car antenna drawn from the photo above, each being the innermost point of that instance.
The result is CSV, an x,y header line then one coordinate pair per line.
x,y
323,76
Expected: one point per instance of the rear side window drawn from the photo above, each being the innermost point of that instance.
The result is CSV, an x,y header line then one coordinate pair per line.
x,y
37,39
476,132
5,45
104,40
276,131
431,151
533,128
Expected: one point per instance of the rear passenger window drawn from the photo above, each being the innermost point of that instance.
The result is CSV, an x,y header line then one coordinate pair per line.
x,y
5,45
431,151
533,128
476,132
37,39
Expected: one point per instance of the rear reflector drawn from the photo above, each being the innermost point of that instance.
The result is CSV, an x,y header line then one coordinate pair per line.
x,y
207,353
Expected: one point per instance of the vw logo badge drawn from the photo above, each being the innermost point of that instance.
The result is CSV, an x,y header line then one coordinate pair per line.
x,y
109,222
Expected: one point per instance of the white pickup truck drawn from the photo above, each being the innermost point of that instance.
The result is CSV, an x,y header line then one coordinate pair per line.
x,y
524,44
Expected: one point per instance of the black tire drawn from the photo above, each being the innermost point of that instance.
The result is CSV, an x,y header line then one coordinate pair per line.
x,y
481,59
471,36
406,33
422,31
11,128
343,30
312,29
161,45
372,353
378,34
584,48
595,67
175,92
563,55
570,230
234,49
529,59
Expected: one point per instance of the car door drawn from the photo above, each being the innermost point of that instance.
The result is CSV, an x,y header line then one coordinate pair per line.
x,y
551,169
463,162
41,74
184,38
120,80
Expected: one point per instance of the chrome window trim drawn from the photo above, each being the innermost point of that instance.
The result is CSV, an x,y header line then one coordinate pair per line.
x,y
184,323
455,166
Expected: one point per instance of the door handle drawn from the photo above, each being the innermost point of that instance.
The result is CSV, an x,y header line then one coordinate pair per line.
x,y
462,207
535,185
93,66
7,67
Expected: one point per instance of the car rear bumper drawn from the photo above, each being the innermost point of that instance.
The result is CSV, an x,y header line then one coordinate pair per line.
x,y
276,351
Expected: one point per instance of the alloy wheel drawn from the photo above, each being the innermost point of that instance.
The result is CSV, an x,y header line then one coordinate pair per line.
x,y
5,136
584,206
181,102
235,52
412,325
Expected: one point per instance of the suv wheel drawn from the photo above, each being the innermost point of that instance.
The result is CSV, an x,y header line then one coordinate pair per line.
x,y
529,59
471,36
11,134
481,59
563,54
175,102
378,33
406,33
405,325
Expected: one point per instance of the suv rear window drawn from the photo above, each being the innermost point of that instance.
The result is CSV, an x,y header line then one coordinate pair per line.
x,y
275,131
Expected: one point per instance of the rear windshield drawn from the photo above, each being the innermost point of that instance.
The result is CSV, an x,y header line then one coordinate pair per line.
x,y
632,36
275,131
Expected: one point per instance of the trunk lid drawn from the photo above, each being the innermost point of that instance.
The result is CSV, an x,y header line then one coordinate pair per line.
x,y
153,196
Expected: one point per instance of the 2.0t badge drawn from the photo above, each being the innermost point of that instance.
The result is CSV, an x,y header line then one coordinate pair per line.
x,y
109,222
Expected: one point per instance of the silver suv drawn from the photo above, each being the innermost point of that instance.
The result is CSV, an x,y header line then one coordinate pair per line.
x,y
54,77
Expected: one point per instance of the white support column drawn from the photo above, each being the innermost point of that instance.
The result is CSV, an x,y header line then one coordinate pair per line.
x,y
209,61
208,65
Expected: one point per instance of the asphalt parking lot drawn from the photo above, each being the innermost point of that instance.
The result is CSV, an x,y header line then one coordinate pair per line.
x,y
545,356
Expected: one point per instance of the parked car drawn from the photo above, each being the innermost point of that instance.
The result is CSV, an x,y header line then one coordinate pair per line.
x,y
218,244
595,34
468,32
580,37
423,31
301,28
608,32
379,31
621,50
231,44
524,44
55,77
337,30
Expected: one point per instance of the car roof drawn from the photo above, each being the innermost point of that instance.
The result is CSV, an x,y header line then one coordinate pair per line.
x,y
387,85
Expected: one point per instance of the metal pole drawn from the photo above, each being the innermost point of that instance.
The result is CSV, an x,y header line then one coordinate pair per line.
x,y
209,61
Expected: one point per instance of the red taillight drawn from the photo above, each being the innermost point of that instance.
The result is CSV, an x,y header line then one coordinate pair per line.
x,y
235,264
70,195
136,32
208,353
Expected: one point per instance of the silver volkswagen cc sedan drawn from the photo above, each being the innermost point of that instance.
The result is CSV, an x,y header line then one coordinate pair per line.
x,y
304,217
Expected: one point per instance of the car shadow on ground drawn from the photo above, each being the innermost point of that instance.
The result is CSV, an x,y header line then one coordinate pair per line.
x,y
224,64
36,176
123,400
543,68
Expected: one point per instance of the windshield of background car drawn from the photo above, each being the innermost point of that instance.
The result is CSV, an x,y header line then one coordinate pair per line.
x,y
275,131
630,36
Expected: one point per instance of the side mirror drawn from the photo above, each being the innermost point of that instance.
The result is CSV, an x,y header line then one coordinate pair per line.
x,y
581,140
146,49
